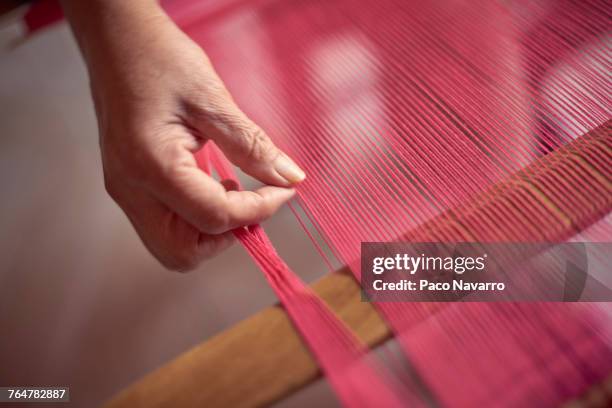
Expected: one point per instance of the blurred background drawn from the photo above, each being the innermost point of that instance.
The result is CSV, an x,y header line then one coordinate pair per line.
x,y
82,303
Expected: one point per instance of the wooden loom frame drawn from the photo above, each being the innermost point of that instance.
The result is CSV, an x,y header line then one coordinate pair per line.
x,y
262,359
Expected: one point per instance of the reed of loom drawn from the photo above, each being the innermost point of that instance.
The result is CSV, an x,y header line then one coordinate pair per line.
x,y
263,360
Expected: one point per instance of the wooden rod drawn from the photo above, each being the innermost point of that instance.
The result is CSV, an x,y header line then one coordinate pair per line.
x,y
256,362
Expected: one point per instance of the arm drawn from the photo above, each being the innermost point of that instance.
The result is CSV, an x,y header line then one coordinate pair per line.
x,y
158,100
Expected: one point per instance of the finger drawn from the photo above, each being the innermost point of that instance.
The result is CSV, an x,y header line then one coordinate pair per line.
x,y
246,144
175,243
252,207
206,204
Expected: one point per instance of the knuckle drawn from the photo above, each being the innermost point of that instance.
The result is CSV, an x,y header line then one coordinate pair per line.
x,y
260,146
208,102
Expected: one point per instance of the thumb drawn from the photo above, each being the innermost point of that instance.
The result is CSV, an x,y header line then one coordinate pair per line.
x,y
247,146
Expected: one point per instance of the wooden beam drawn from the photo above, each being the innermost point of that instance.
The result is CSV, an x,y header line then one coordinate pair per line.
x,y
262,359
258,361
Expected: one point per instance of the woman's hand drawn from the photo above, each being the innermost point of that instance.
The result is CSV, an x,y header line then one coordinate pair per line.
x,y
158,100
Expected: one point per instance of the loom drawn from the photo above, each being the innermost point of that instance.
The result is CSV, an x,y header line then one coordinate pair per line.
x,y
450,121
242,366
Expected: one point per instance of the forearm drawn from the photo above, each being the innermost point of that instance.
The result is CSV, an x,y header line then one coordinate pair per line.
x,y
158,100
106,29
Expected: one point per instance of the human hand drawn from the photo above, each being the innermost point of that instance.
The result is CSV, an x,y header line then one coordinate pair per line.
x,y
158,100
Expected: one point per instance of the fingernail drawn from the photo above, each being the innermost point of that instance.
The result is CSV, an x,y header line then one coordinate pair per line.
x,y
288,169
